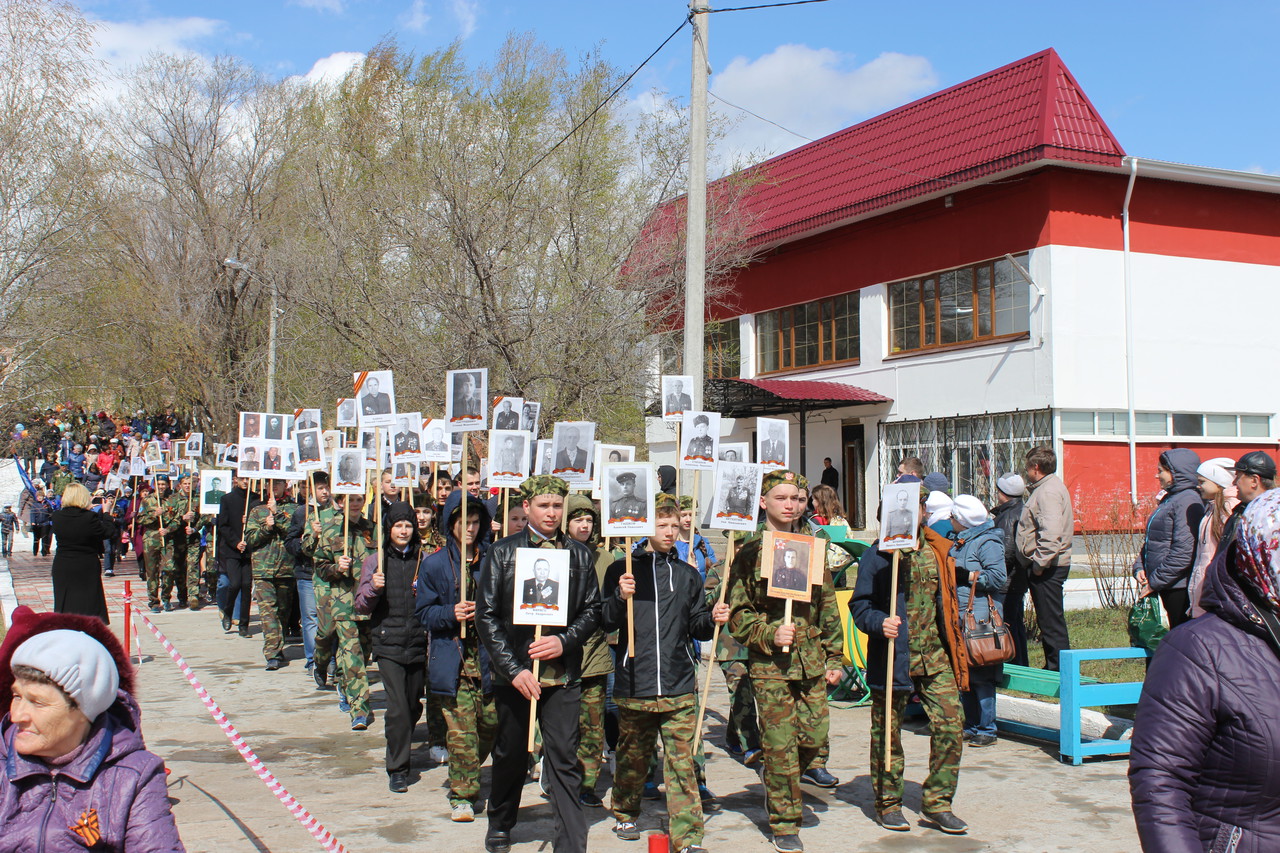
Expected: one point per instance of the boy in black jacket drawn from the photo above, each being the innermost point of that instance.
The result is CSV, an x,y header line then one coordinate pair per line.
x,y
656,690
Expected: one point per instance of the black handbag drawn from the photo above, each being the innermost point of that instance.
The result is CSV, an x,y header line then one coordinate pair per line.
x,y
987,640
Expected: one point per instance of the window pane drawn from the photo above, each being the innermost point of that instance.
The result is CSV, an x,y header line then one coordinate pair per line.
x,y
1255,426
767,341
955,306
897,315
907,331
984,301
1012,307
1152,423
806,334
845,308
1220,425
1184,424
929,294
786,337
1113,423
1077,423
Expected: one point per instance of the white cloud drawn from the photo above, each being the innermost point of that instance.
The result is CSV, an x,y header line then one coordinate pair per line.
x,y
1259,169
122,44
465,11
416,18
332,68
812,91
334,6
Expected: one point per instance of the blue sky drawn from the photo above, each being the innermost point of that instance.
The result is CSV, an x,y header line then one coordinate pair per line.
x,y
1180,81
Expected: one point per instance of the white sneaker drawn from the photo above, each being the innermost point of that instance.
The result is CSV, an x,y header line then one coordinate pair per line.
x,y
439,755
462,813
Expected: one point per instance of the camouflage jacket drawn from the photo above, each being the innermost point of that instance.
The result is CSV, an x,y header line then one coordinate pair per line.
x,y
754,617
154,515
58,482
266,542
325,551
176,505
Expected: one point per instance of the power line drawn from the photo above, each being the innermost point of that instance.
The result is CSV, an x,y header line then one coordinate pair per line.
x,y
605,102
757,115
767,6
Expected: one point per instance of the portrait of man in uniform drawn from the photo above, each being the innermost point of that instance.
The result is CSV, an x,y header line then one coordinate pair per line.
x,y
509,459
249,460
792,568
348,471
214,487
900,512
332,441
787,571
406,438
272,460
540,590
699,440
250,426
347,412
626,504
506,416
737,496
773,444
308,445
467,402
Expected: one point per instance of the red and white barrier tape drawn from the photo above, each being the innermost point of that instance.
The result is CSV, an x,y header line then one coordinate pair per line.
x,y
304,817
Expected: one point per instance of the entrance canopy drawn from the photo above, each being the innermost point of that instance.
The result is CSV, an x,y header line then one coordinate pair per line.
x,y
743,398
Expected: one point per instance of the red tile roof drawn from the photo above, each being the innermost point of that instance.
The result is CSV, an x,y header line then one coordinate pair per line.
x,y
804,389
1028,111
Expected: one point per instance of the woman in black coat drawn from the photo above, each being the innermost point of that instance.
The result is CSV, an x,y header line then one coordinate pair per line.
x,y
77,564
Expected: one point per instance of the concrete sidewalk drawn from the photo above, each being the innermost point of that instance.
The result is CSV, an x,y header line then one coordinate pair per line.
x,y
1015,796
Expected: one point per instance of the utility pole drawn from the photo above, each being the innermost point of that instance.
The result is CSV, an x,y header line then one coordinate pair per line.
x,y
695,252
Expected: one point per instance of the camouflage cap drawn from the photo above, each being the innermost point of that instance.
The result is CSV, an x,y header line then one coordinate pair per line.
x,y
686,502
781,476
666,501
543,484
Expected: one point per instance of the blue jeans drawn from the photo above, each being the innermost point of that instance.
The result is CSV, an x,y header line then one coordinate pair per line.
x,y
108,555
6,542
979,708
307,608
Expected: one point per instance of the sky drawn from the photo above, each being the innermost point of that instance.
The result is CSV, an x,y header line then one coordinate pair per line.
x,y
1182,81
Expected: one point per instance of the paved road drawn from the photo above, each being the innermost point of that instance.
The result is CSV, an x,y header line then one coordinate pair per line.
x,y
1015,795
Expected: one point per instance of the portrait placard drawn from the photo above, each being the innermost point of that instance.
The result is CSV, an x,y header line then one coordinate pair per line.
x,y
506,412
348,473
466,393
406,437
153,455
250,426
628,505
734,451
275,462
542,463
701,435
331,440
178,449
508,457
571,451
228,455
404,475
310,449
367,436
306,419
773,443
676,397
435,441
900,516
737,496
541,587
137,467
113,483
213,485
789,559
347,413
195,445
607,454
375,395
529,413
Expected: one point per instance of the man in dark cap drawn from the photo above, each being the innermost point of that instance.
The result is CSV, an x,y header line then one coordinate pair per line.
x,y
1254,473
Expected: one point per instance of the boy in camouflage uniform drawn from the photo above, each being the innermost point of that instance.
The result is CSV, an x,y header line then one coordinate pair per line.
x,y
656,689
174,572
155,519
929,658
790,687
337,623
264,535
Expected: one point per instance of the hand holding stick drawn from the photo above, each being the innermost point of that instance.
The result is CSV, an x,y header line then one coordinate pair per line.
x,y
533,703
462,545
787,621
631,609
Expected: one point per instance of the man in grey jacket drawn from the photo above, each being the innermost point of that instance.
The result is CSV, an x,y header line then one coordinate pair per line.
x,y
1044,541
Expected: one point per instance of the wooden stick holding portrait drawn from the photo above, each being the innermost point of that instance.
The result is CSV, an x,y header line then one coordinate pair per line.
x,y
715,643
541,598
888,669
533,703
899,529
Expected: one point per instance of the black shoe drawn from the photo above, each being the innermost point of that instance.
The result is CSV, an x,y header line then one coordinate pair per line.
x,y
244,632
168,607
322,683
983,740
226,623
894,821
787,844
274,663
398,783
820,777
590,800
947,822
498,842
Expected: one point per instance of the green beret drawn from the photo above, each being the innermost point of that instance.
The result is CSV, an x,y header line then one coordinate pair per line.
x,y
781,476
543,484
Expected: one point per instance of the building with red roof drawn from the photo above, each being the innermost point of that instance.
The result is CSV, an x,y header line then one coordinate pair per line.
x,y
995,272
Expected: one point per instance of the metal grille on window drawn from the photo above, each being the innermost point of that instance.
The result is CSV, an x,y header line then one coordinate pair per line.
x,y
973,451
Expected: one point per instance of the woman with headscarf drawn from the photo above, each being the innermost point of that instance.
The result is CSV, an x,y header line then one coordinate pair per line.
x,y
387,593
981,579
1206,741
75,774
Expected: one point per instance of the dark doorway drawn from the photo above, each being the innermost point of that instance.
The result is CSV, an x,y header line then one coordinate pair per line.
x,y
854,475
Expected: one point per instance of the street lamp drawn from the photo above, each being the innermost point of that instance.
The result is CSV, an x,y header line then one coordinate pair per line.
x,y
234,264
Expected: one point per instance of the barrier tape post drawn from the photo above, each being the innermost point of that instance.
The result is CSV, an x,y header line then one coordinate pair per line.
x,y
128,614
304,817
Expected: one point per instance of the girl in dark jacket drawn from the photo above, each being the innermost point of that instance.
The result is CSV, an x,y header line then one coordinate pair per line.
x,y
459,666
387,593
1206,742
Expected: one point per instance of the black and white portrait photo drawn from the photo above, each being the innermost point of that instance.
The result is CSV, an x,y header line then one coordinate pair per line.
x,y
627,504
529,413
899,516
306,419
508,457
677,397
605,454
195,445
213,485
404,474
542,587
310,449
572,451
542,457
772,443
228,456
375,395
250,464
275,427
250,426
331,440
734,451
701,435
435,441
789,559
374,456
465,407
153,454
506,412
347,476
347,412
406,437
737,496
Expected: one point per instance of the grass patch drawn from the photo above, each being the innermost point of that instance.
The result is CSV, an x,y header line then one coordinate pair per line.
x,y
1096,629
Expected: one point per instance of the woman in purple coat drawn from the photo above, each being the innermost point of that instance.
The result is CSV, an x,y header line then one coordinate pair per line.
x,y
74,772
1204,770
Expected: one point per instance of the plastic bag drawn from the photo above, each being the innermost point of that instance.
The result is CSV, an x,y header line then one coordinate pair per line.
x,y
1146,623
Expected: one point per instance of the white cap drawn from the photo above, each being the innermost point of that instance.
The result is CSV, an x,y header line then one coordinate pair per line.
x,y
969,511
938,505
77,663
1012,485
1218,470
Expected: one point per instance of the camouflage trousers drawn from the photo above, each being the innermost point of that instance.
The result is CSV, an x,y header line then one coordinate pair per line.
x,y
181,570
345,641
275,600
437,728
471,720
941,700
639,723
742,731
153,560
591,729
794,724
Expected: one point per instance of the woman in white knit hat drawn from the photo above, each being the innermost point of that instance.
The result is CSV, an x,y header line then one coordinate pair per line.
x,y
1215,479
981,580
